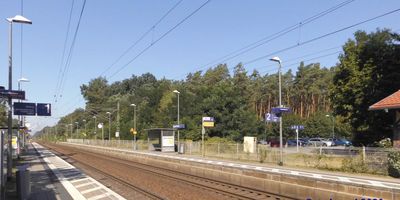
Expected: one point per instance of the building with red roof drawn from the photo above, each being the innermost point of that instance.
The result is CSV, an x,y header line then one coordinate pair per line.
x,y
391,102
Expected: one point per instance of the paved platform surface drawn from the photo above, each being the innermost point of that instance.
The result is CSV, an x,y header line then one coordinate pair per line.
x,y
315,174
54,178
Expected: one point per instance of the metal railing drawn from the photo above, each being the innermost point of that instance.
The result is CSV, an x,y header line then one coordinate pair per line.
x,y
353,159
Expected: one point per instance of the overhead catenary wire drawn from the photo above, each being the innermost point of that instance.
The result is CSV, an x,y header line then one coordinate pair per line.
x,y
136,42
160,38
322,36
69,57
298,62
64,49
273,36
141,38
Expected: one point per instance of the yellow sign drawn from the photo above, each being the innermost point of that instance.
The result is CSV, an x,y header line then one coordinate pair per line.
x,y
133,131
208,124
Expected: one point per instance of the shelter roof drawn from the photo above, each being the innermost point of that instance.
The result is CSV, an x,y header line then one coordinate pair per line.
x,y
390,102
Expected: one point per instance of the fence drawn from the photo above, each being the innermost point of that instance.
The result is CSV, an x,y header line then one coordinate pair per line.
x,y
351,159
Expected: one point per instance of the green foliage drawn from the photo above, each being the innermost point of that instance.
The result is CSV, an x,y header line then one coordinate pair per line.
x,y
394,164
368,71
354,165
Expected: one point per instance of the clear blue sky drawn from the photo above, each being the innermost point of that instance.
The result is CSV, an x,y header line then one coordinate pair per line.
x,y
108,28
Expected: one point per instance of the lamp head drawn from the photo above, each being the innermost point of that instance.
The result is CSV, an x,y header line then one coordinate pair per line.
x,y
23,80
176,91
276,59
133,104
19,19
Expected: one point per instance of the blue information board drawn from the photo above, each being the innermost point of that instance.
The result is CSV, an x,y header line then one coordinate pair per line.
x,y
24,109
43,109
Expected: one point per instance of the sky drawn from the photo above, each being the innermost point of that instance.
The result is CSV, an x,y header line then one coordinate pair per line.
x,y
199,41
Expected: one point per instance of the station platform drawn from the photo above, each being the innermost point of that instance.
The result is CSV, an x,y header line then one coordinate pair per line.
x,y
285,180
53,178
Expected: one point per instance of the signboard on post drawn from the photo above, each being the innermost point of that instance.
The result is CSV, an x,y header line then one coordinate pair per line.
x,y
208,121
299,127
25,109
14,94
271,117
43,109
179,126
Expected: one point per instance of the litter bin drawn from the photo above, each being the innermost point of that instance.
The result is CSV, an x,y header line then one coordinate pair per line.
x,y
181,149
23,182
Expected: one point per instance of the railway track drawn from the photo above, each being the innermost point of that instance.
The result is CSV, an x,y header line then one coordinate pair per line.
x,y
223,189
140,190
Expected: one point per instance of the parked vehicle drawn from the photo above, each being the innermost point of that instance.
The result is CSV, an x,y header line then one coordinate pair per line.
x,y
319,142
292,142
341,142
264,142
304,141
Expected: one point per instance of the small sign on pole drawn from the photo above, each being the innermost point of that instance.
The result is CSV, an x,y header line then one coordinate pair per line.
x,y
208,122
179,126
271,117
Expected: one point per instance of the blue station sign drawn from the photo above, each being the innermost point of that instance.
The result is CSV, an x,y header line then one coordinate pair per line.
x,y
43,109
179,126
271,117
24,109
299,127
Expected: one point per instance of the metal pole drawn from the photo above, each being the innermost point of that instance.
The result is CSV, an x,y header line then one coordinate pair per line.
x,y
134,127
109,126
95,128
178,123
102,133
203,132
333,127
77,130
2,184
9,156
297,139
118,119
280,117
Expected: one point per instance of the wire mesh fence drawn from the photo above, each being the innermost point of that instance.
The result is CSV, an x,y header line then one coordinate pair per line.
x,y
352,159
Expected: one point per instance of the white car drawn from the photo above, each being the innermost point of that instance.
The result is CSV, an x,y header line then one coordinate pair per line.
x,y
319,142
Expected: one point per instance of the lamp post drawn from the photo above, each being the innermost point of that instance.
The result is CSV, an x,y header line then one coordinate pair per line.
x,y
22,20
333,125
20,118
177,92
134,126
95,127
109,125
77,130
71,129
84,121
276,59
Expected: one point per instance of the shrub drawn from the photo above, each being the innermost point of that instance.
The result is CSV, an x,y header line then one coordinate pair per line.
x,y
394,164
355,165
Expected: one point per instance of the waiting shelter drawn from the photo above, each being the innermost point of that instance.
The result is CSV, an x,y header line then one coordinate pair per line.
x,y
162,139
391,102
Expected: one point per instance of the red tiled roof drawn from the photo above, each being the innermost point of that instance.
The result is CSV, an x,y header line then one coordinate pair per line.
x,y
390,102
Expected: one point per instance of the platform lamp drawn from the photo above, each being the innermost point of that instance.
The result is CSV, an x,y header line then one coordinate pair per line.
x,y
276,59
22,20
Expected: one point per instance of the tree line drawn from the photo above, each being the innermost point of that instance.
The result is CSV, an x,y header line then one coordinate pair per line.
x,y
319,97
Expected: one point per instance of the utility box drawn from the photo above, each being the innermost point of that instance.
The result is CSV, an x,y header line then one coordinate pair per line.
x,y
250,144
